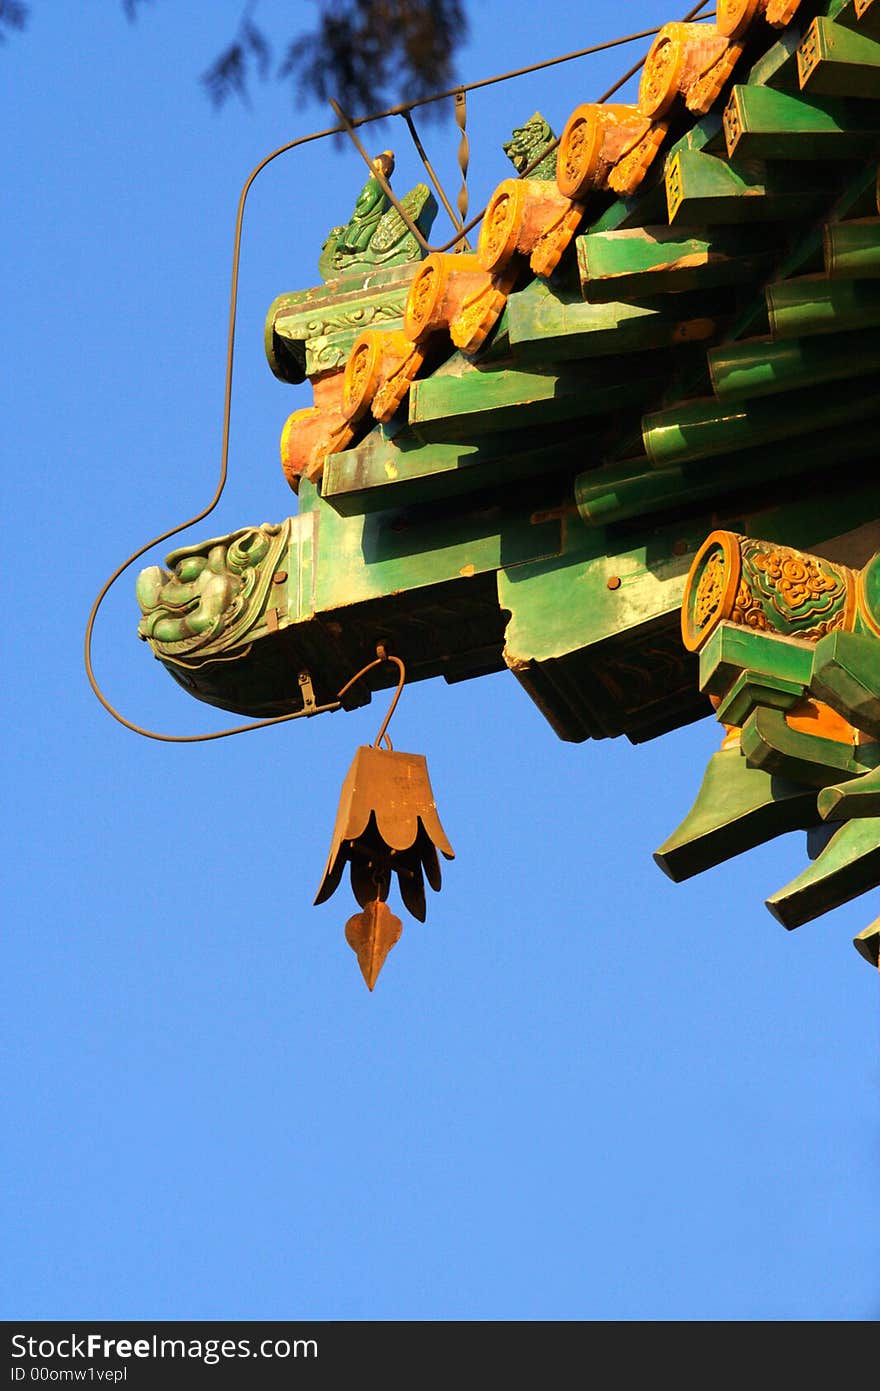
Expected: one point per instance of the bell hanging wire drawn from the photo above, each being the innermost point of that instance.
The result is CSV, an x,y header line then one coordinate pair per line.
x,y
387,825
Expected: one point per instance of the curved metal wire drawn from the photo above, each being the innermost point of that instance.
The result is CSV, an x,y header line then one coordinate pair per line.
x,y
382,657
200,516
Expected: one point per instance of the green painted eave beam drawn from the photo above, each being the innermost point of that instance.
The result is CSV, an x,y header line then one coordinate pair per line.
x,y
737,808
700,429
763,367
853,201
761,123
648,205
559,327
837,61
852,249
385,555
702,188
478,402
656,260
651,565
647,581
815,304
382,472
620,492
848,866
613,596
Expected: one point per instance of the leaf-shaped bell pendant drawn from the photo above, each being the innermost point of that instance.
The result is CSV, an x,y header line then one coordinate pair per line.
x,y
387,825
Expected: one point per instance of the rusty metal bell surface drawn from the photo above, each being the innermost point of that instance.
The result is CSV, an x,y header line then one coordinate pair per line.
x,y
371,934
387,824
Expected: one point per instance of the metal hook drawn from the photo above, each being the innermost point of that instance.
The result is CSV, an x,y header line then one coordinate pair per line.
x,y
383,656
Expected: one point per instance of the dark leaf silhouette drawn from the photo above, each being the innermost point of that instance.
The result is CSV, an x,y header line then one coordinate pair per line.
x,y
227,76
366,53
12,16
371,53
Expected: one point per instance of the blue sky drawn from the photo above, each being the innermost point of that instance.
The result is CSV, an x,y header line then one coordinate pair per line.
x,y
578,1091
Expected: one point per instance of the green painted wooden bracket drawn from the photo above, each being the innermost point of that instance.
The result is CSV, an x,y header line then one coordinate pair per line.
x,y
733,649
702,188
648,206
847,867
768,742
867,943
657,260
845,801
552,327
761,123
737,808
839,62
846,675
756,690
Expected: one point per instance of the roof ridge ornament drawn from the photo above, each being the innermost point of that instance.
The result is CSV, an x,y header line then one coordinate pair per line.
x,y
376,235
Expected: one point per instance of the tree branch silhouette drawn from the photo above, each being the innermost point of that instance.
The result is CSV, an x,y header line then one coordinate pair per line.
x,y
366,53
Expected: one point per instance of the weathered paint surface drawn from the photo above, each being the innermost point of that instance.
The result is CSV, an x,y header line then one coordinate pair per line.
x,y
515,454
